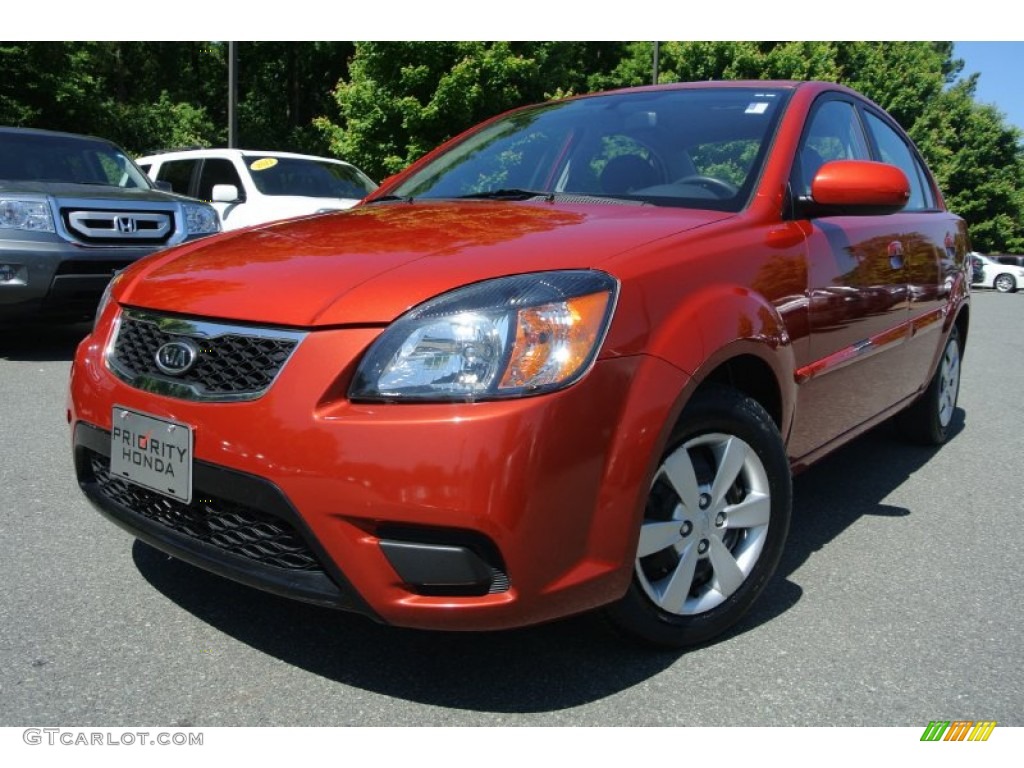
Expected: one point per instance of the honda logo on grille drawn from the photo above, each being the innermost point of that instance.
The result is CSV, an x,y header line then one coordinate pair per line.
x,y
176,357
126,225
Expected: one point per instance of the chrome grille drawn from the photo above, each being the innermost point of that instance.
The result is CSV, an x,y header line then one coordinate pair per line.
x,y
140,227
231,363
227,525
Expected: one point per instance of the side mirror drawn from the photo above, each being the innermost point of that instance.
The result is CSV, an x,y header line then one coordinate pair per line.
x,y
856,188
163,186
226,193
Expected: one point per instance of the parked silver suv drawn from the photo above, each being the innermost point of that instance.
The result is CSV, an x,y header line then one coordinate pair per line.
x,y
73,211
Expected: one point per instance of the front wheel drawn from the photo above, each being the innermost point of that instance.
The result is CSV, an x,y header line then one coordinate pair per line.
x,y
1005,284
714,526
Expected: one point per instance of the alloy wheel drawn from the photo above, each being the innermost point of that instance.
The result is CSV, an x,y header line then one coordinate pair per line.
x,y
706,524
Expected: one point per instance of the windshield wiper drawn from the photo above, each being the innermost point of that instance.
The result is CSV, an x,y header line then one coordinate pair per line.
x,y
390,199
507,194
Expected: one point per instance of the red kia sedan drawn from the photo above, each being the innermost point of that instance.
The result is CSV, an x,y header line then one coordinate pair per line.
x,y
568,360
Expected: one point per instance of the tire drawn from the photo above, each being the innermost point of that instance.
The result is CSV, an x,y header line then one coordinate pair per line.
x,y
928,420
1005,284
714,525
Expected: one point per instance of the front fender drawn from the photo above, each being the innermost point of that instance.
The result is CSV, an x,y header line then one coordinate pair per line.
x,y
721,323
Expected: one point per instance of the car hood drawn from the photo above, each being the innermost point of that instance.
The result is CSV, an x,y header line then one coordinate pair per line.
x,y
372,263
60,189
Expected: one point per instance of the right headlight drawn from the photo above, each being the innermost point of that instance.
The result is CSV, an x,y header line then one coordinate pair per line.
x,y
30,215
506,337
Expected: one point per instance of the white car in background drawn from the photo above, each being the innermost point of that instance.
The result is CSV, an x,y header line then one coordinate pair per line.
x,y
989,273
249,187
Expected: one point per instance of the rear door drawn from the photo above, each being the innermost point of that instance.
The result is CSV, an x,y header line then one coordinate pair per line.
x,y
934,249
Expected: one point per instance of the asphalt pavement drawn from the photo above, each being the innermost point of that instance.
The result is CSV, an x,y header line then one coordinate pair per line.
x,y
896,603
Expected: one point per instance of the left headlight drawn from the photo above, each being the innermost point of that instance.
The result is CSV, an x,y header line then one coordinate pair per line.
x,y
200,219
506,337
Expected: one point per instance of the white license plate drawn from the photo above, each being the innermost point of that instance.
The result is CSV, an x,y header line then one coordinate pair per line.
x,y
154,453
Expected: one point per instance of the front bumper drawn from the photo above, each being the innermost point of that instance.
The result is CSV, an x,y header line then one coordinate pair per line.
x,y
437,516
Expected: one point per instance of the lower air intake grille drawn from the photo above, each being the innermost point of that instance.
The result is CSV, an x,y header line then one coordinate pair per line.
x,y
224,524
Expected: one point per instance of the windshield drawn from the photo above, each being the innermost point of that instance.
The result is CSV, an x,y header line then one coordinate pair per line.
x,y
307,178
700,148
67,159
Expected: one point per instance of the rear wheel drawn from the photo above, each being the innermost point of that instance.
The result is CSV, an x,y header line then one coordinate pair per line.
x,y
714,525
1005,284
928,419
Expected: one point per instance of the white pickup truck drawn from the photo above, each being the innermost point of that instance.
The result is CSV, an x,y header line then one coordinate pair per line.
x,y
249,187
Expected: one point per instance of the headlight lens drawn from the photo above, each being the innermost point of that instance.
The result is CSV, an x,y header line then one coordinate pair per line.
x,y
30,215
200,219
508,337
105,298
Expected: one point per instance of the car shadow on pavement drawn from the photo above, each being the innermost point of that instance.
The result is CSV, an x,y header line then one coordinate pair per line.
x,y
839,490
539,669
41,342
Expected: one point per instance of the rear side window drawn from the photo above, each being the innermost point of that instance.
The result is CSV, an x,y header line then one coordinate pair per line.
x,y
893,149
178,173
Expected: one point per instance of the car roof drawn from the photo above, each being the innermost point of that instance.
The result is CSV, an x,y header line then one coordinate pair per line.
x,y
818,85
14,130
234,152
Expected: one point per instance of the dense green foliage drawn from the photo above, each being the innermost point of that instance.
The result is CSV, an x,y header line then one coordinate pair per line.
x,y
147,96
382,105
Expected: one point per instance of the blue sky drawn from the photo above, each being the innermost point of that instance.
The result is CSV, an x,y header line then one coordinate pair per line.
x,y
1001,66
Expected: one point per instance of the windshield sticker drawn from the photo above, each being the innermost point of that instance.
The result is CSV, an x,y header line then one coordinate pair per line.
x,y
757,108
269,162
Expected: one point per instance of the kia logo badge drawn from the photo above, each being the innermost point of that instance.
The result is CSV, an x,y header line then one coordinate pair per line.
x,y
176,357
126,225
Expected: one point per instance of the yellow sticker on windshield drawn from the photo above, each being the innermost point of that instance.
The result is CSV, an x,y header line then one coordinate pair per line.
x,y
263,163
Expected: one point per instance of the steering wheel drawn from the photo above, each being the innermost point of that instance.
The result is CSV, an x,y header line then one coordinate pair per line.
x,y
719,187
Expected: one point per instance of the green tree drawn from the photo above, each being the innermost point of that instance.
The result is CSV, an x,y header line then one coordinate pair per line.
x,y
282,87
978,161
140,95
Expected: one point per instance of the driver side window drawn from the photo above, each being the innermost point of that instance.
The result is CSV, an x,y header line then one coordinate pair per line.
x,y
834,133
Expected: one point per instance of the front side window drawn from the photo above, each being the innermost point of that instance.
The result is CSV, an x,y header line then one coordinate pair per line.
x,y
701,148
217,170
833,133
